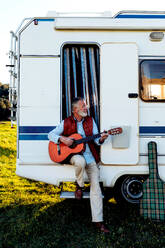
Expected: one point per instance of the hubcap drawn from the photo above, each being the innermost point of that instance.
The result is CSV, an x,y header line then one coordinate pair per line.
x,y
132,189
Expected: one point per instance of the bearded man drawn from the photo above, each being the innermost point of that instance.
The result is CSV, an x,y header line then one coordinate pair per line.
x,y
80,122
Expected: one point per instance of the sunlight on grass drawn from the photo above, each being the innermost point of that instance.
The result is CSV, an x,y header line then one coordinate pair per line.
x,y
33,215
16,190
112,200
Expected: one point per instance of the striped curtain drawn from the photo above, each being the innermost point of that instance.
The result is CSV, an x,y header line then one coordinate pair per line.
x,y
81,77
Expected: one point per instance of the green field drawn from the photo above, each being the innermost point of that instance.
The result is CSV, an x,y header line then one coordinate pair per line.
x,y
33,216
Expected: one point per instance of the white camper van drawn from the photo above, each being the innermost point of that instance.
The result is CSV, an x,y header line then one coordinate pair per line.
x,y
118,65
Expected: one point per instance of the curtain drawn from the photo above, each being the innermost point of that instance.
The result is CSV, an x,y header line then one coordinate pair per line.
x,y
81,78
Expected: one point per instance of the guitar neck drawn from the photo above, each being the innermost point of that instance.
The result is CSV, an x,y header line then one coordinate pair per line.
x,y
87,139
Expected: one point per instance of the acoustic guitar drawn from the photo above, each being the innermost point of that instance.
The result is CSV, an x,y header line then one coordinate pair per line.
x,y
60,152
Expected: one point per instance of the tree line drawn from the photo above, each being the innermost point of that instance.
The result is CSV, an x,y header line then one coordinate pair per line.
x,y
4,102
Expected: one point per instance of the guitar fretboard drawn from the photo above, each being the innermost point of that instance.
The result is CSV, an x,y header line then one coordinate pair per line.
x,y
87,139
113,131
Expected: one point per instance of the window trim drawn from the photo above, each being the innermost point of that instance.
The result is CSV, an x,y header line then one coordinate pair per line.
x,y
140,80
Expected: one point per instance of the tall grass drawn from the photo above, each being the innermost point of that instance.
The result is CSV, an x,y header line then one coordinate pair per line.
x,y
33,216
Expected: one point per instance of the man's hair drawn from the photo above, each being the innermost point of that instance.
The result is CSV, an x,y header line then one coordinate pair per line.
x,y
75,101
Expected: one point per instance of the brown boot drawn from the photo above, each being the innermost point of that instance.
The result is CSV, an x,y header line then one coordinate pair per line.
x,y
78,192
101,227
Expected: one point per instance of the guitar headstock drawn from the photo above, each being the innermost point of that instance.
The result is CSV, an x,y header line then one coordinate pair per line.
x,y
115,131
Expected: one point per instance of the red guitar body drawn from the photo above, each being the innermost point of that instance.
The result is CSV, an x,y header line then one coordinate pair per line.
x,y
59,153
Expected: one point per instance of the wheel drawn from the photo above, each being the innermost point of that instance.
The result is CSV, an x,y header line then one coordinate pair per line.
x,y
129,189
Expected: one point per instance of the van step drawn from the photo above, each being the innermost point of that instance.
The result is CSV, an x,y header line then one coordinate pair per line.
x,y
68,194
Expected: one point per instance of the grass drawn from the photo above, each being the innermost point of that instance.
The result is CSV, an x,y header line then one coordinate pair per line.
x,y
33,216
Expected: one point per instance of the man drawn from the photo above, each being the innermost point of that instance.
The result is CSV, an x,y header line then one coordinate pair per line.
x,y
80,123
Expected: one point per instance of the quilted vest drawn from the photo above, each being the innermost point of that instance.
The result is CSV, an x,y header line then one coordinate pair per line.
x,y
70,127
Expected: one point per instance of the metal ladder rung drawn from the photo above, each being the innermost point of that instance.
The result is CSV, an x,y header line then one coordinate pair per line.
x,y
12,118
71,194
13,109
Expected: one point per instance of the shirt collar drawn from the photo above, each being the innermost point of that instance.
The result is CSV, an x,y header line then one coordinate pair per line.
x,y
77,120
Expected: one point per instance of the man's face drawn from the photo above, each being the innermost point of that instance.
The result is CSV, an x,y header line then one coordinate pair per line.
x,y
81,108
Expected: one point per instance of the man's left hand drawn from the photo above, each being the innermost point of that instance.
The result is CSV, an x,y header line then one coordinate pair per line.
x,y
104,136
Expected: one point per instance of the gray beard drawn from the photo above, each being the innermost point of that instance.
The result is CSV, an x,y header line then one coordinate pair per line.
x,y
82,114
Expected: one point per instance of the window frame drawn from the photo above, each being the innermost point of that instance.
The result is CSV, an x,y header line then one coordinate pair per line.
x,y
140,79
75,44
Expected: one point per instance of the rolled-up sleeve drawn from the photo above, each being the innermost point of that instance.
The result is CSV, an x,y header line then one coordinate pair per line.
x,y
54,135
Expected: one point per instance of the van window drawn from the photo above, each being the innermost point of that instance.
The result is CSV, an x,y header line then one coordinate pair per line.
x,y
152,81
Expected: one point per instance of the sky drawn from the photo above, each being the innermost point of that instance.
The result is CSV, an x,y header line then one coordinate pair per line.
x,y
12,12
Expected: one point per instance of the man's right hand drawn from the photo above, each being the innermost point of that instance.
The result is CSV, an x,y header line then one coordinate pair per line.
x,y
66,140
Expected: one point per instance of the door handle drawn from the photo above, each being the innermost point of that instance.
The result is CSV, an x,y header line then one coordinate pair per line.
x,y
132,95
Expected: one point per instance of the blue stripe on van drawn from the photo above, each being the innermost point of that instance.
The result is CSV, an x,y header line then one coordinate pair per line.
x,y
45,20
34,132
152,130
141,16
41,132
33,137
35,129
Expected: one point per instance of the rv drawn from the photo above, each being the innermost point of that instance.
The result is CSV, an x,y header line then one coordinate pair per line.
x,y
117,64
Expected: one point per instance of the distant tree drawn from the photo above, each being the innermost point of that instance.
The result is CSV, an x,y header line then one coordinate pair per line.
x,y
4,102
5,89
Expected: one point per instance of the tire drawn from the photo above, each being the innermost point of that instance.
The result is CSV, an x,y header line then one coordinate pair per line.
x,y
129,189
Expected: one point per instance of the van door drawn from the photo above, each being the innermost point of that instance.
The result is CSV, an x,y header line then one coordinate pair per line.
x,y
119,102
